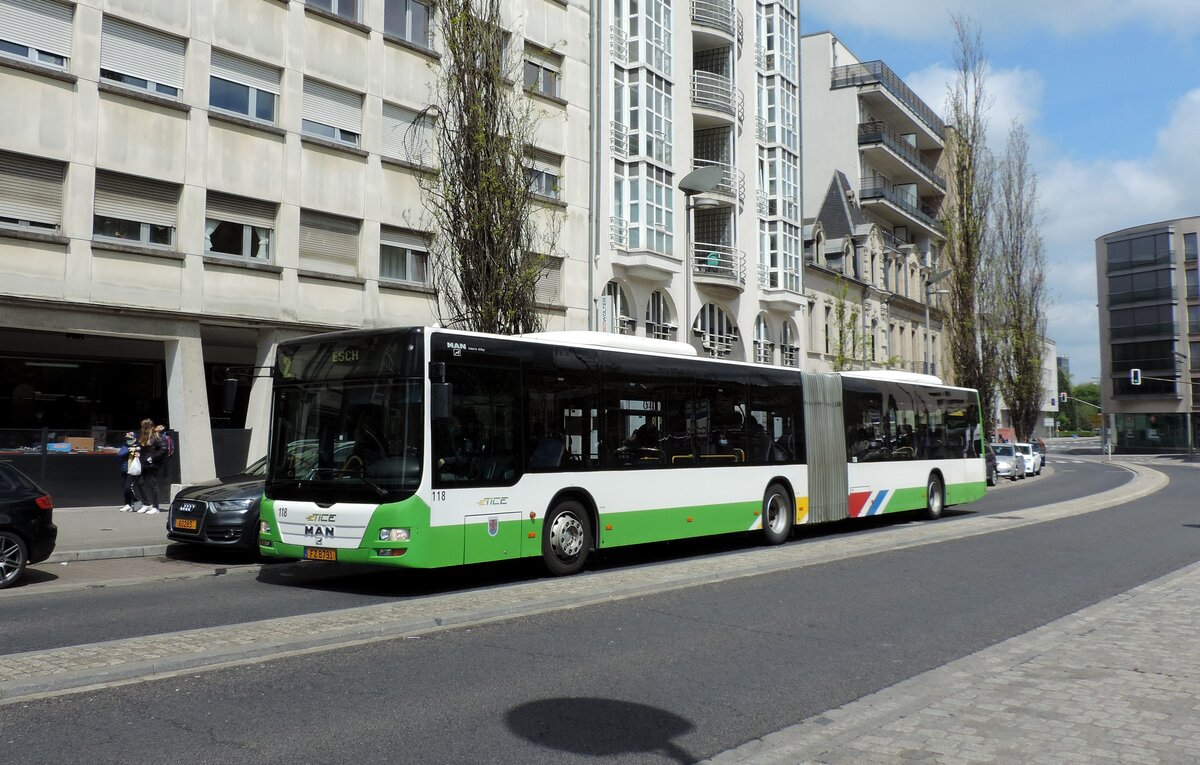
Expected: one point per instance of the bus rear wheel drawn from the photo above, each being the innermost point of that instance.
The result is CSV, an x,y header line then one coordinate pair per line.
x,y
777,515
935,501
566,538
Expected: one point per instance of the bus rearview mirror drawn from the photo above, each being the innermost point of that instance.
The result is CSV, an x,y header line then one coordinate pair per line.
x,y
440,395
231,386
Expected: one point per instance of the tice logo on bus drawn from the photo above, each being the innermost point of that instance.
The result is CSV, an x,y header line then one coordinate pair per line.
x,y
491,501
320,518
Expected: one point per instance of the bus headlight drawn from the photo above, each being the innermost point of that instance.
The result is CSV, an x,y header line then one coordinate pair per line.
x,y
393,535
264,527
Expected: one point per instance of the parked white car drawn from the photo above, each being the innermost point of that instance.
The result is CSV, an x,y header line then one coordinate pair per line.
x,y
1033,460
1009,463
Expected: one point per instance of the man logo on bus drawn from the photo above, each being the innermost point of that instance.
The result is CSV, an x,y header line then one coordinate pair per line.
x,y
493,526
318,531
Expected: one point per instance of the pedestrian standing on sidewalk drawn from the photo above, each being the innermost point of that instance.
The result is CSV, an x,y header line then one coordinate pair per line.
x,y
126,455
152,450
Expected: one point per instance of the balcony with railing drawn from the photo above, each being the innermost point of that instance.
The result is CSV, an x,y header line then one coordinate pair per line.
x,y
779,288
897,205
870,73
716,93
618,44
619,137
732,183
717,15
896,155
718,265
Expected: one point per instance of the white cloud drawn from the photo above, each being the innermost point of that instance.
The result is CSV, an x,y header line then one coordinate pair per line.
x,y
930,19
1012,93
1084,200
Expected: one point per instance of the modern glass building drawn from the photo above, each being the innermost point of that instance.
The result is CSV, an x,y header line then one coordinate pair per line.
x,y
1149,291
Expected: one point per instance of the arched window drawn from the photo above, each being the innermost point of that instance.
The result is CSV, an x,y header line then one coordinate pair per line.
x,y
624,317
764,349
788,347
658,318
717,333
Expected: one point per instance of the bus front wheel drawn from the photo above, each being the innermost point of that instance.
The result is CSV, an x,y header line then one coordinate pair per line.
x,y
777,515
935,498
566,538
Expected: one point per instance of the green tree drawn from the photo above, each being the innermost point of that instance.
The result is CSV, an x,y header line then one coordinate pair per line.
x,y
1089,392
490,248
845,316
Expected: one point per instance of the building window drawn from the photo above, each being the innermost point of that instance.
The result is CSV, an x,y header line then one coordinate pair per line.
x,y
409,20
549,285
332,113
239,227
658,318
1189,248
31,191
403,257
717,333
764,349
347,9
788,347
141,58
36,30
621,315
244,87
408,135
544,171
137,210
542,71
328,243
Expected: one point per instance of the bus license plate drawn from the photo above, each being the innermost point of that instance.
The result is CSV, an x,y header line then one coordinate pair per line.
x,y
320,553
186,523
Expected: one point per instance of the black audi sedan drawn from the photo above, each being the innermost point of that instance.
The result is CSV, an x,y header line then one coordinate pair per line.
x,y
222,512
27,530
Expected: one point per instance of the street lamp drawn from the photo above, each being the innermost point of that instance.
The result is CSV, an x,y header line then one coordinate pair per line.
x,y
696,182
931,280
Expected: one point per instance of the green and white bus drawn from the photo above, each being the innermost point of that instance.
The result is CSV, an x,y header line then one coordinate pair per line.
x,y
424,447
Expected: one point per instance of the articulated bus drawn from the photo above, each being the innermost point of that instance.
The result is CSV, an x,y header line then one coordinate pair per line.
x,y
424,447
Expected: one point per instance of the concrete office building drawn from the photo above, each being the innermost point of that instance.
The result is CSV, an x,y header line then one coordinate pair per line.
x,y
183,184
1047,424
873,191
1149,290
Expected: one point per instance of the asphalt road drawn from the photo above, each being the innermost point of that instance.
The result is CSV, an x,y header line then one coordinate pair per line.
x,y
672,677
39,622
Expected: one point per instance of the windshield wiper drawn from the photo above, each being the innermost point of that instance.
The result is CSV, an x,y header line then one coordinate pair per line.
x,y
339,472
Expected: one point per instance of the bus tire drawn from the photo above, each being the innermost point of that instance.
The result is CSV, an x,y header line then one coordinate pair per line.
x,y
566,538
935,498
777,515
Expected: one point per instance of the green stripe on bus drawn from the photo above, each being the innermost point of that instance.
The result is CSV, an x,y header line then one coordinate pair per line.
x,y
631,528
906,499
960,493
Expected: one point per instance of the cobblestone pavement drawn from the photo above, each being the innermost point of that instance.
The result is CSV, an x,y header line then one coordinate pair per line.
x,y
1114,683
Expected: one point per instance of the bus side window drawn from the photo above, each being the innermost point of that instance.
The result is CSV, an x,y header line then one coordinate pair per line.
x,y
477,444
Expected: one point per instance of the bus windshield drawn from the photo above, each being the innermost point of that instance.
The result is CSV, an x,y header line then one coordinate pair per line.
x,y
346,441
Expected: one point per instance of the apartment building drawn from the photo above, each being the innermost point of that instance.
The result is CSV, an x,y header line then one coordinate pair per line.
x,y
1148,284
183,184
694,85
873,189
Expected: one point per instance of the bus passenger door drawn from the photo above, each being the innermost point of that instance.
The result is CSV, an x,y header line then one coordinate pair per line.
x,y
491,536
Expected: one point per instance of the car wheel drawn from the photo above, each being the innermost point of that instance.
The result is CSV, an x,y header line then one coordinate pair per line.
x,y
13,557
566,538
935,498
777,515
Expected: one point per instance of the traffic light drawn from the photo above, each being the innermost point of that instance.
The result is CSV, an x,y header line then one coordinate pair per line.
x,y
1135,377
1062,397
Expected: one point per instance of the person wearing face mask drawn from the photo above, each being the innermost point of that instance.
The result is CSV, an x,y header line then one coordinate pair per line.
x,y
126,455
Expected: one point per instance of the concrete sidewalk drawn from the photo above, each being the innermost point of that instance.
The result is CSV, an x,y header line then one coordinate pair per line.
x,y
100,533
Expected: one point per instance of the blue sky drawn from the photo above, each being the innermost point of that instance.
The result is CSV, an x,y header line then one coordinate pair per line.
x,y
1109,92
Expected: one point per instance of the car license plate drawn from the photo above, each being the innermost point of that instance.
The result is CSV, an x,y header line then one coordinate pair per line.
x,y
189,524
320,553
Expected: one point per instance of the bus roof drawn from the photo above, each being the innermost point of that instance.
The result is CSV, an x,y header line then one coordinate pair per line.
x,y
611,340
892,375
